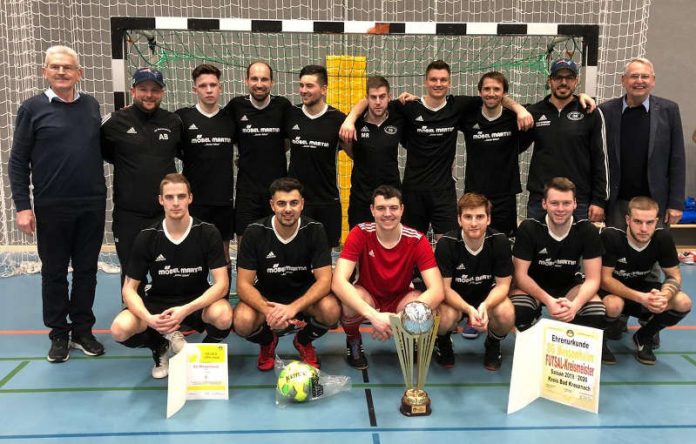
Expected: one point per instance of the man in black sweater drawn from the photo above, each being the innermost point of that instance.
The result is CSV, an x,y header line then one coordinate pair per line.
x,y
141,141
56,149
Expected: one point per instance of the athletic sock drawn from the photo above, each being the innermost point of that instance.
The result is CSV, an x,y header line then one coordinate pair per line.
x,y
592,314
262,336
661,321
313,330
351,325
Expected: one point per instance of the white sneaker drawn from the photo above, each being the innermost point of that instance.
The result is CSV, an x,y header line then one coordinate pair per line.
x,y
177,342
161,368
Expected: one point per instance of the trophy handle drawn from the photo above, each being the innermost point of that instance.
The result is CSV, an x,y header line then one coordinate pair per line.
x,y
426,344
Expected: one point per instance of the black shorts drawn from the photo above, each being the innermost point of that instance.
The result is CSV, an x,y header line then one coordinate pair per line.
x,y
504,214
633,308
194,321
358,211
250,207
329,214
438,208
220,216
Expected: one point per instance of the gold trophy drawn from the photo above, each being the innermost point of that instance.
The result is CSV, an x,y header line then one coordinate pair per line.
x,y
414,335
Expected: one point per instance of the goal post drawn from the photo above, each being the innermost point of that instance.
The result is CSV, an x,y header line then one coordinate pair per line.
x,y
351,51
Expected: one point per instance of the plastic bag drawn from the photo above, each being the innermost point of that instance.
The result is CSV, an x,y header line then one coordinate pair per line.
x,y
300,382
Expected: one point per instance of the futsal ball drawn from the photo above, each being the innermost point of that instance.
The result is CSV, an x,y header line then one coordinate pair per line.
x,y
295,381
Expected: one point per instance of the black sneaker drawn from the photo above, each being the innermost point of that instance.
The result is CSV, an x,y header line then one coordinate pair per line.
x,y
492,358
59,351
644,351
355,354
88,344
444,353
608,357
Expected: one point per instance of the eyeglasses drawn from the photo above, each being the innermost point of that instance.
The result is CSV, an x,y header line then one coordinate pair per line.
x,y
640,76
567,78
65,68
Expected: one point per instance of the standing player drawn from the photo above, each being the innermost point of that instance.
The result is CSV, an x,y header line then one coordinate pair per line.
x,y
55,158
385,253
284,278
312,129
432,122
375,150
568,142
627,271
259,120
141,141
208,154
547,255
476,265
493,144
178,253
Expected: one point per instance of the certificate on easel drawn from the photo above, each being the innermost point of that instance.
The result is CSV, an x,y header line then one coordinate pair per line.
x,y
557,361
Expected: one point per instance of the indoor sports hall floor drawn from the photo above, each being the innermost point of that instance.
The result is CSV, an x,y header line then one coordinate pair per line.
x,y
113,398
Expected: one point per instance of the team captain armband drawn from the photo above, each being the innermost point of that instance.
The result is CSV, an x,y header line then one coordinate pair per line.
x,y
671,285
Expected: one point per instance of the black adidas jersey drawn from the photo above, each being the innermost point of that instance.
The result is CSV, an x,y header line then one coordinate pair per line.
x,y
633,266
208,156
142,147
283,268
178,270
492,148
473,274
375,155
313,151
260,137
554,263
431,140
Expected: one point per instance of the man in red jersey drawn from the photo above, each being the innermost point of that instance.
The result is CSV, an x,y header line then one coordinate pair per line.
x,y
386,254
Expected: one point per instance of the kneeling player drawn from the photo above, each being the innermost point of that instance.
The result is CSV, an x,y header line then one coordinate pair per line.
x,y
546,258
284,278
385,253
178,253
626,276
476,264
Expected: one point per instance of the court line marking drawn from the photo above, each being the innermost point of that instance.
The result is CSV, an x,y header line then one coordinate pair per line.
x,y
371,431
370,386
255,355
13,373
690,359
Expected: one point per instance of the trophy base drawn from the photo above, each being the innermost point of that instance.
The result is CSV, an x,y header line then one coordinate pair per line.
x,y
415,402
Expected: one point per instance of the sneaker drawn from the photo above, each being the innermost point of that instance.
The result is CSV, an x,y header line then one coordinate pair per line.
x,y
644,352
88,344
444,353
266,359
355,354
470,332
492,358
655,339
308,353
608,357
59,351
687,258
177,341
161,357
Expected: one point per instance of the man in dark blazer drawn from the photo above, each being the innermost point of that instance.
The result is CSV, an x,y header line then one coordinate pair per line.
x,y
646,147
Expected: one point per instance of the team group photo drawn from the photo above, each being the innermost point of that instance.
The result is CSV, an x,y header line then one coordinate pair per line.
x,y
233,220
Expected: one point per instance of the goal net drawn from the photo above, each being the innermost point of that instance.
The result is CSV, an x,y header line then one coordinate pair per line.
x,y
472,36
